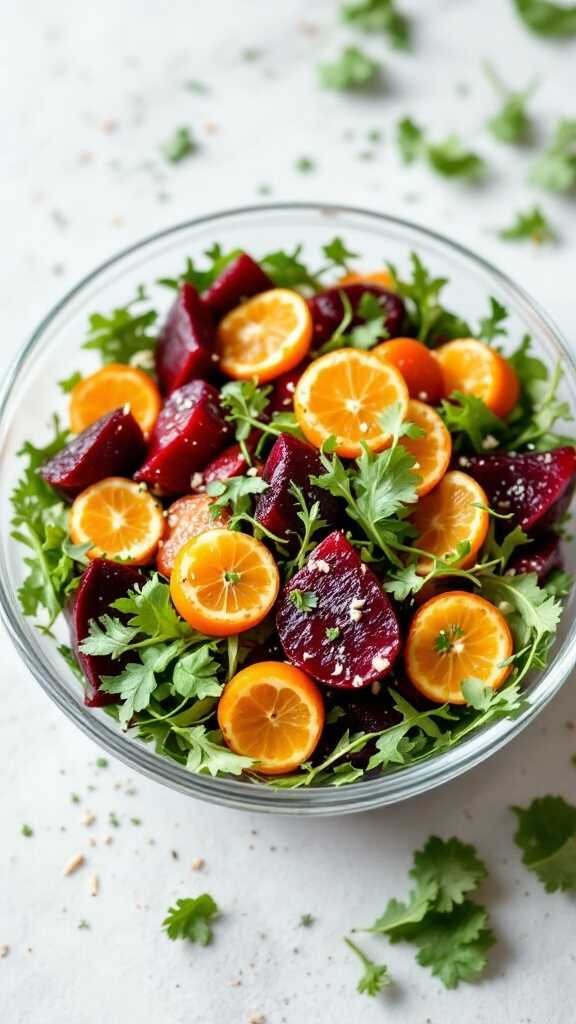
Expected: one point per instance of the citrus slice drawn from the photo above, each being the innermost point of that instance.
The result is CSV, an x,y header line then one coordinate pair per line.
x,y
433,450
474,368
224,582
453,637
112,387
187,517
381,277
454,513
344,393
274,713
265,336
418,366
119,518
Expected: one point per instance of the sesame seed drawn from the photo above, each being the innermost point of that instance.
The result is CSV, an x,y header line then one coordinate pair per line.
x,y
94,885
355,614
198,864
253,471
73,864
196,481
380,663
320,565
357,681
338,669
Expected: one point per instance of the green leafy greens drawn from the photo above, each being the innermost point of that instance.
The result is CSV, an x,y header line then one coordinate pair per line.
x,y
379,16
353,69
546,835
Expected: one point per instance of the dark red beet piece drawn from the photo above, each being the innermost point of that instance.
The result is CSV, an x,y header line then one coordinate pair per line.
x,y
292,461
187,341
327,310
241,279
349,598
536,487
188,433
282,397
230,462
113,446
540,557
101,583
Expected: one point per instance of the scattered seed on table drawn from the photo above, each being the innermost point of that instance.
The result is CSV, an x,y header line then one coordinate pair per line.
x,y
73,864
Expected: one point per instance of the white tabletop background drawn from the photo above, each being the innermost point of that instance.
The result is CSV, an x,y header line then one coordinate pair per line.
x,y
89,92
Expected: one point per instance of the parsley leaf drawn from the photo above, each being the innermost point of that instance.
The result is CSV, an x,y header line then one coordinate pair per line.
x,y
531,225
69,383
192,919
452,160
123,334
312,523
217,261
196,674
533,615
491,326
235,493
540,406
470,418
137,681
410,139
546,18
179,146
337,254
452,867
151,611
512,123
208,755
244,402
303,600
379,16
547,837
429,319
556,168
353,69
455,945
287,269
375,977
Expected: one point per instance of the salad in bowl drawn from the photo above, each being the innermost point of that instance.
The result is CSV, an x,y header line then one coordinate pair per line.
x,y
303,524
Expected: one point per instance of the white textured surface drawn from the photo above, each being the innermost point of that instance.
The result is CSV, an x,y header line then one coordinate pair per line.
x,y
89,91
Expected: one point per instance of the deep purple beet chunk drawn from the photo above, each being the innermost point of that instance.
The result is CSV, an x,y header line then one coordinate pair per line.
x,y
536,487
101,583
282,397
187,341
292,462
113,446
327,310
230,462
241,279
541,557
349,598
188,433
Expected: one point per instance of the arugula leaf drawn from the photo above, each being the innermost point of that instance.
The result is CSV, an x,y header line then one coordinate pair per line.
x,y
470,419
235,493
546,835
548,19
288,271
202,279
531,225
455,945
338,254
179,146
192,919
353,69
490,326
452,160
410,139
375,977
379,16
431,322
303,600
556,168
244,402
512,123
450,865
196,674
124,334
540,405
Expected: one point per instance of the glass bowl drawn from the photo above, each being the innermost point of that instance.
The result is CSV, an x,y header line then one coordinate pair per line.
x,y
30,395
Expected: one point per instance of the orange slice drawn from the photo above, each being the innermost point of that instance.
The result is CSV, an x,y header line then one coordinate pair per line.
x,y
433,450
187,517
343,393
274,713
381,277
454,637
265,336
418,366
110,388
473,367
224,582
450,515
119,518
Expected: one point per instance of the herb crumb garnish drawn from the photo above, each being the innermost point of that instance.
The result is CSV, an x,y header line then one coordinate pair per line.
x,y
307,920
180,146
546,834
532,226
74,864
375,977
27,831
351,70
192,919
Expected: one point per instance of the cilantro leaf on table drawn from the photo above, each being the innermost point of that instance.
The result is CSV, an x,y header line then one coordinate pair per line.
x,y
192,919
546,835
179,146
451,159
410,139
512,123
379,16
217,261
452,867
374,977
398,919
429,319
531,225
351,70
454,946
555,170
123,334
548,19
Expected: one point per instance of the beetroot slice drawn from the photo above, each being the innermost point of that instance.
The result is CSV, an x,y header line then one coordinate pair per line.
x,y
188,433
113,446
350,598
187,341
541,557
241,279
282,398
536,487
230,462
327,310
100,585
292,461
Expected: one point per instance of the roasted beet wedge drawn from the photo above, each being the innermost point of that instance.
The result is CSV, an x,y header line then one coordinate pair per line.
x,y
541,557
186,343
327,310
189,432
349,599
101,583
536,487
230,462
241,279
113,446
282,397
292,461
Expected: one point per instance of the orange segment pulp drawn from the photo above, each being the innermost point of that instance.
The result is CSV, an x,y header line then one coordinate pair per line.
x,y
187,517
265,336
343,393
433,450
110,388
119,518
450,515
224,582
474,368
274,713
454,637
381,277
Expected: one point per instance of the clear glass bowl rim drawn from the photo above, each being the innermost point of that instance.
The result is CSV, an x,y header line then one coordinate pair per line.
x,y
367,795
